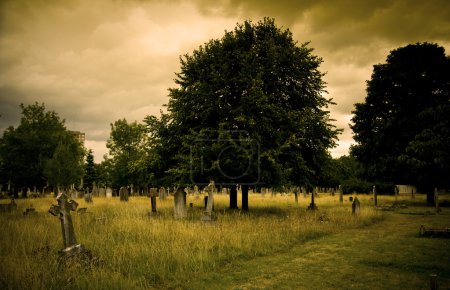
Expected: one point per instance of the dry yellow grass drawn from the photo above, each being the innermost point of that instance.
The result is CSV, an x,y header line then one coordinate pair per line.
x,y
138,251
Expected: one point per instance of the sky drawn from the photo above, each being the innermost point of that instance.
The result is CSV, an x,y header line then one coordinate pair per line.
x,y
94,62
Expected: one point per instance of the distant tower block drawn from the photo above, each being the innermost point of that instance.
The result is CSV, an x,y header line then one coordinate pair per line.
x,y
80,136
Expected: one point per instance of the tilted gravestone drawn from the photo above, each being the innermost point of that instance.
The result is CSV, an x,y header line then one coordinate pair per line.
x,y
179,200
356,206
62,210
123,194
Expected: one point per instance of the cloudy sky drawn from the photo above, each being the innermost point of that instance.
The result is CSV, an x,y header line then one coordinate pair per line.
x,y
95,62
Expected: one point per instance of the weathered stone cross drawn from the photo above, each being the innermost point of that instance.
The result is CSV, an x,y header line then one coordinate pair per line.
x,y
63,210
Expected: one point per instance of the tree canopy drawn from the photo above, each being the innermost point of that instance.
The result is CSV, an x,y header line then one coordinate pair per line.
x,y
30,152
402,129
248,108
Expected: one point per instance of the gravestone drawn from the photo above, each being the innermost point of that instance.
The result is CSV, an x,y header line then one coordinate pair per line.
x,y
73,193
82,210
108,192
180,211
153,194
208,214
30,211
11,206
102,192
62,210
312,205
123,194
356,206
341,194
196,192
375,197
94,190
436,200
162,193
88,198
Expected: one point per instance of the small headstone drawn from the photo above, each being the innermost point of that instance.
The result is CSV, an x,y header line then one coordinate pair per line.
x,y
123,194
88,198
82,210
30,211
108,192
102,192
356,206
162,193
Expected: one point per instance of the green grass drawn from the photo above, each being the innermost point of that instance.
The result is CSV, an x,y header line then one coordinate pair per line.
x,y
141,252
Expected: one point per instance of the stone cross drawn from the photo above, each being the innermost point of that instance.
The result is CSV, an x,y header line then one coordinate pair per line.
x,y
63,211
356,206
374,192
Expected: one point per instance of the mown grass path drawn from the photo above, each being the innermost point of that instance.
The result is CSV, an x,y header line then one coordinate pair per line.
x,y
386,255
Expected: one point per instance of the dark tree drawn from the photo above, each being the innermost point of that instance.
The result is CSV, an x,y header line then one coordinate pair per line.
x,y
249,110
26,149
91,173
402,128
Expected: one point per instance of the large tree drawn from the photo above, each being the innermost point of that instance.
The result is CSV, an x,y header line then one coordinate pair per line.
x,y
26,150
402,129
248,109
128,150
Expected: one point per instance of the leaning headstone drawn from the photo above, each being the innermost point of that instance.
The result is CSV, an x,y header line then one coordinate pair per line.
x,y
108,192
71,248
180,211
102,192
356,206
375,197
208,214
123,193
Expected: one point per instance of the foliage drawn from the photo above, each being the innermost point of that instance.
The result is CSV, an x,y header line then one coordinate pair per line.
x,y
128,150
248,108
402,129
26,150
91,171
66,165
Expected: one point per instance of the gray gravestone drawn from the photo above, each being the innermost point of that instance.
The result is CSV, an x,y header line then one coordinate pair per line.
x,y
102,192
162,193
208,214
88,198
123,194
94,190
180,210
356,206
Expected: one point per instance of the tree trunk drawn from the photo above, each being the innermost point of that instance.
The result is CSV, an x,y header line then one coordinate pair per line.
x,y
245,197
233,197
296,197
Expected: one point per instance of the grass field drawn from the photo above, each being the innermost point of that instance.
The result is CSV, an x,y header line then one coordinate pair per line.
x,y
136,251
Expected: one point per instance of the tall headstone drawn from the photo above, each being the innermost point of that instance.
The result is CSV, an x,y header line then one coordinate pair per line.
x,y
208,214
312,205
162,193
123,194
375,195
356,206
108,192
436,199
179,200
153,194
94,189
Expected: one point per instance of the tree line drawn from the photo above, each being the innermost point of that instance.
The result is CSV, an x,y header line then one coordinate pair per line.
x,y
250,109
